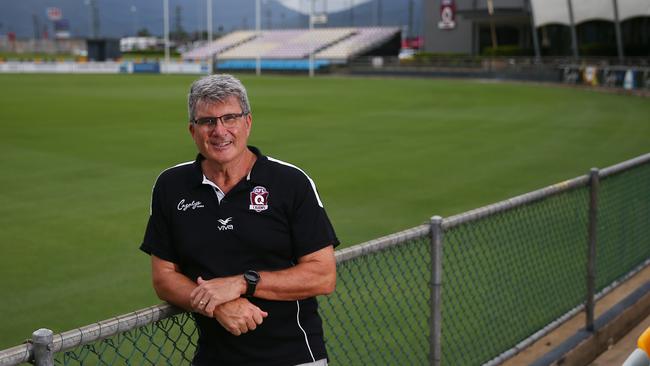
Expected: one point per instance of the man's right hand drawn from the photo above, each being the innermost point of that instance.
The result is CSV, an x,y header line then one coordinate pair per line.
x,y
239,316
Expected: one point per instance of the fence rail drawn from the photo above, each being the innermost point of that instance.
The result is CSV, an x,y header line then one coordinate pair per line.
x,y
507,273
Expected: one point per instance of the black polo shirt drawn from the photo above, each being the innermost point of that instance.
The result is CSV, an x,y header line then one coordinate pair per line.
x,y
266,222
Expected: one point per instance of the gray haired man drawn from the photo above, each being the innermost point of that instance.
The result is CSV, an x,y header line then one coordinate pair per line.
x,y
241,240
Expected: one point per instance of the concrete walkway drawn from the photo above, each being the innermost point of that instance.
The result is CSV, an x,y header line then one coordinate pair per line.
x,y
617,351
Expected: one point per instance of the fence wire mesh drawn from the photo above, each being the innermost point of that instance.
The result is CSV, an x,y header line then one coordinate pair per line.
x,y
623,224
379,313
169,341
509,274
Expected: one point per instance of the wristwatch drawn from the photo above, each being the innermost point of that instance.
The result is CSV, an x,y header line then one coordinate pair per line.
x,y
252,279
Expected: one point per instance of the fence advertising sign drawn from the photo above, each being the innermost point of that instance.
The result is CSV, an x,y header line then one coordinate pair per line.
x,y
447,14
62,29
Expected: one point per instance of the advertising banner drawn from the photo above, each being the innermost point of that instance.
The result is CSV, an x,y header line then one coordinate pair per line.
x,y
62,29
54,13
447,14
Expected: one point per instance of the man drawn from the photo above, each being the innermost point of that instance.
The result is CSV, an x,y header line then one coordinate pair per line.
x,y
241,240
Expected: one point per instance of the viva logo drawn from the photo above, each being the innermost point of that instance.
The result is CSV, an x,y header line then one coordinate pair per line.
x,y
225,224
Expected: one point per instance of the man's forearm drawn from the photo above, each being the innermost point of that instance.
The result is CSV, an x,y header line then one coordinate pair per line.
x,y
175,288
293,284
315,274
170,284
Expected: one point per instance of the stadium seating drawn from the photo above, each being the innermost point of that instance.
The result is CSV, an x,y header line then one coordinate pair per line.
x,y
361,41
265,42
332,44
309,41
220,45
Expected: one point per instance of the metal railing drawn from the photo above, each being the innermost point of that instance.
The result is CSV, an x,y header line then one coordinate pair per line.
x,y
473,288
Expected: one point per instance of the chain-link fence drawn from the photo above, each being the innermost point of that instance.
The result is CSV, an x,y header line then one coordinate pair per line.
x,y
499,273
470,289
623,224
379,315
169,341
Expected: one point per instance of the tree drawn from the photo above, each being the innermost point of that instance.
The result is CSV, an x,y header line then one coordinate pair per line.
x,y
143,32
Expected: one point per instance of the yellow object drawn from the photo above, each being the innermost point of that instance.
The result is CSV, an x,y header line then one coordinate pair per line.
x,y
644,341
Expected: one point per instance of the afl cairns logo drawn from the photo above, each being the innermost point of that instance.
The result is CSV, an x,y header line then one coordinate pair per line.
x,y
259,199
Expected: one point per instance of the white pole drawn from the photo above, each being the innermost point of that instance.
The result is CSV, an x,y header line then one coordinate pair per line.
x,y
258,28
209,11
617,28
166,30
311,28
209,27
135,20
574,37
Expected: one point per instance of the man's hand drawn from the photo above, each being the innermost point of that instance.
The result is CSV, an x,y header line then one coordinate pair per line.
x,y
210,294
239,316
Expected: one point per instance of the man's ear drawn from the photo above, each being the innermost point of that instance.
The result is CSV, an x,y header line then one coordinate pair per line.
x,y
249,122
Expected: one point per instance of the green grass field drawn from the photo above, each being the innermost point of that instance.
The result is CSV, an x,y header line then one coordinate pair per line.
x,y
79,155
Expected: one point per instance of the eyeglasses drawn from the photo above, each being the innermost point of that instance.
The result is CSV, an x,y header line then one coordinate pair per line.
x,y
227,120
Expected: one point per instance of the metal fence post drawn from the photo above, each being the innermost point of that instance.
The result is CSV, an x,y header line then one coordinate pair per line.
x,y
42,341
594,183
435,302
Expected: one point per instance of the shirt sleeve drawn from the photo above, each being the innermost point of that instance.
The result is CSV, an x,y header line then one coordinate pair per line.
x,y
157,237
311,229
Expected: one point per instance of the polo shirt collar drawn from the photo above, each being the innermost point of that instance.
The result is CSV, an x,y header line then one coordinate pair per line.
x,y
259,174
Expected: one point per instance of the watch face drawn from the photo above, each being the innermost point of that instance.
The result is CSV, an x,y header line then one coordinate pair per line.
x,y
251,276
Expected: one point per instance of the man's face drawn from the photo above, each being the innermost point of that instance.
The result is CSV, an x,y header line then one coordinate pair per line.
x,y
220,144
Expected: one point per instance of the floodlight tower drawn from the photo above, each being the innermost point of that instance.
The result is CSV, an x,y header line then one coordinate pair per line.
x,y
258,29
135,19
209,20
166,29
209,27
574,37
93,16
617,28
311,49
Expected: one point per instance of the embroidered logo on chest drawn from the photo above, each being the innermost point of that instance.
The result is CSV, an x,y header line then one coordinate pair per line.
x,y
182,206
225,224
259,199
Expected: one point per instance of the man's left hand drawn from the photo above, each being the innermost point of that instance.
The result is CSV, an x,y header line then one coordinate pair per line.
x,y
212,293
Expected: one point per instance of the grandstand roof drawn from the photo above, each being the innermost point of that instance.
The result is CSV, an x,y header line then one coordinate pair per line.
x,y
557,12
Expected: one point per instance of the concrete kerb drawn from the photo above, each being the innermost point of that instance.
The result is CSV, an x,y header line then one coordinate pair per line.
x,y
584,347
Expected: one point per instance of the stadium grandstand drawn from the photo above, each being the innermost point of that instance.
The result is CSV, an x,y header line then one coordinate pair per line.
x,y
290,49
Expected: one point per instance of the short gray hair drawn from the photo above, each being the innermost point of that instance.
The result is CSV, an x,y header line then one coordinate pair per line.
x,y
214,89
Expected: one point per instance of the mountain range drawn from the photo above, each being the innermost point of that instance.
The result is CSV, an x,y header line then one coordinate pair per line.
x,y
119,18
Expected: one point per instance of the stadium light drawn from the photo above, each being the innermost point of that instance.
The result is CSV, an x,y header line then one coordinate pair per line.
x,y
211,61
538,54
493,32
209,20
258,28
134,15
574,37
166,29
311,28
617,28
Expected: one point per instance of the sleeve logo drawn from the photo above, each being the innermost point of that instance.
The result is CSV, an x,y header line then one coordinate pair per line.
x,y
259,199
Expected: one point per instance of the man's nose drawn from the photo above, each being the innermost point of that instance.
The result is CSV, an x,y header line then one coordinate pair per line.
x,y
219,129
